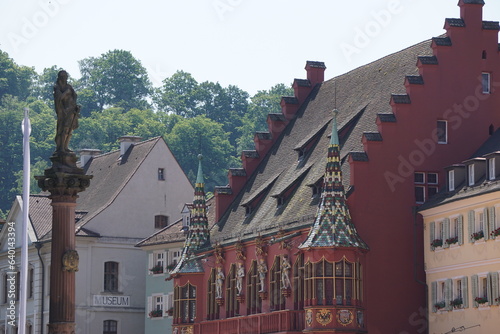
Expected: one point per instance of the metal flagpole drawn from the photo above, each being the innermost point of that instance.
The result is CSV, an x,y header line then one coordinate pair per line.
x,y
26,128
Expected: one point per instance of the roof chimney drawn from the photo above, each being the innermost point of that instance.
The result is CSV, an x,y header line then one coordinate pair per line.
x,y
315,72
126,141
471,11
86,154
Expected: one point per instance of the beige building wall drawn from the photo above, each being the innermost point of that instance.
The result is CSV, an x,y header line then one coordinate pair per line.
x,y
464,268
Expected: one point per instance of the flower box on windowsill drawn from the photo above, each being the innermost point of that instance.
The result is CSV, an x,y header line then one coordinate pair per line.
x,y
457,303
156,314
170,312
171,266
440,305
477,235
437,243
495,233
452,241
157,270
481,301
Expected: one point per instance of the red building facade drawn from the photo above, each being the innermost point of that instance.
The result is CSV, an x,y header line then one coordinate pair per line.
x,y
287,254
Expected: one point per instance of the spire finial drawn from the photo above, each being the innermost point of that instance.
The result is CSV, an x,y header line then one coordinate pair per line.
x,y
334,139
199,178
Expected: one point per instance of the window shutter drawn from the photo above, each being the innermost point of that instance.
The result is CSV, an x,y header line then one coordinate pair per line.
x,y
472,215
434,288
486,224
492,221
446,232
432,231
489,289
150,263
150,304
448,294
460,230
165,263
495,296
465,292
475,290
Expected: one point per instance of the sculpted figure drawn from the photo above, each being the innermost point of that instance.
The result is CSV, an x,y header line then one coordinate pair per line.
x,y
240,273
285,272
219,283
67,112
262,269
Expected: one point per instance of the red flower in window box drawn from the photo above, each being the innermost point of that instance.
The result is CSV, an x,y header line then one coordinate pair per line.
x,y
477,235
481,300
452,240
156,313
495,233
437,243
157,269
440,305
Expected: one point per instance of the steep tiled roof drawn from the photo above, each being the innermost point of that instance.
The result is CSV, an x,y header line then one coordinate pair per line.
x,y
111,174
365,92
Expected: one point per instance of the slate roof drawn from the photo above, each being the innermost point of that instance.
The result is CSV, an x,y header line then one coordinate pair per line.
x,y
111,174
361,95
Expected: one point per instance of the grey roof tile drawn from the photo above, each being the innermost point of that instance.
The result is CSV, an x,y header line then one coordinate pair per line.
x,y
491,25
401,98
373,136
428,60
442,41
387,118
317,64
415,79
455,23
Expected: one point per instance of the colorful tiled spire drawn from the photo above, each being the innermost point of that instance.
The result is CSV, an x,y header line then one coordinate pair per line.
x,y
198,226
333,226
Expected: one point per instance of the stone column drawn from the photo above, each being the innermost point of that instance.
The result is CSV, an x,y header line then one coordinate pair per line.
x,y
64,181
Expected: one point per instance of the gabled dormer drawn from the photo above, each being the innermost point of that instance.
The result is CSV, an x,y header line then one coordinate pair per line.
x,y
455,176
492,165
476,170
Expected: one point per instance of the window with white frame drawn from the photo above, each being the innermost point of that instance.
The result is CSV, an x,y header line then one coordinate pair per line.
x,y
442,132
470,173
485,289
485,80
460,293
157,262
110,327
161,174
451,180
156,306
491,169
174,256
426,186
480,222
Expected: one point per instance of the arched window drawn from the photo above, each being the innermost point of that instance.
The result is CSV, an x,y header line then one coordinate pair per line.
x,y
185,303
253,287
110,327
232,304
298,283
212,306
111,276
276,298
337,283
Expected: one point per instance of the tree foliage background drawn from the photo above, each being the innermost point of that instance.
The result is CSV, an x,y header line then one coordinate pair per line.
x,y
118,99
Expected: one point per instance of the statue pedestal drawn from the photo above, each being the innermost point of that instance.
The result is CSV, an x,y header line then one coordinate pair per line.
x,y
64,181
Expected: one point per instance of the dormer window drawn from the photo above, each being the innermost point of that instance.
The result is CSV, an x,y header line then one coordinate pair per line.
x,y
451,180
470,170
248,210
486,83
280,201
301,153
161,221
491,169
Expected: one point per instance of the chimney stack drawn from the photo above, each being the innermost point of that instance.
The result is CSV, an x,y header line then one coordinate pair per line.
x,y
315,72
126,141
86,154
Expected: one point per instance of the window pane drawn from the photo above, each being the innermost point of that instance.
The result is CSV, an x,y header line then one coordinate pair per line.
x,y
419,194
432,178
442,132
486,83
419,178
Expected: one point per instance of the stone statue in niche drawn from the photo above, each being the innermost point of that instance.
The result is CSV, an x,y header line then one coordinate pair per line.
x,y
262,269
285,272
67,112
240,274
219,283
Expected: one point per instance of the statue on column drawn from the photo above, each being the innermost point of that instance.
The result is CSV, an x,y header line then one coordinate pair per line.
x,y
285,272
219,283
262,269
240,274
67,112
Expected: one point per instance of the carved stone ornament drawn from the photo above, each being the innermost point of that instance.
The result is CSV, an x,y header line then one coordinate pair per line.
x,y
345,317
70,261
309,318
324,317
240,251
219,254
260,246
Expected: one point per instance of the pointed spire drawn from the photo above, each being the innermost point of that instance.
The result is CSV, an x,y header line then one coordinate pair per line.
x,y
198,228
333,226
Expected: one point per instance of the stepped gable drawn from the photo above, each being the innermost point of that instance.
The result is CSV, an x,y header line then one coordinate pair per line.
x,y
111,173
364,92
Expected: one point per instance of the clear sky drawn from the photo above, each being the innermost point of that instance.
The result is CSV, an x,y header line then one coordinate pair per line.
x,y
253,44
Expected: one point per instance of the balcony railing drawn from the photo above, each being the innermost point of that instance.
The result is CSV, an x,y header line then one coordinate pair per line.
x,y
265,323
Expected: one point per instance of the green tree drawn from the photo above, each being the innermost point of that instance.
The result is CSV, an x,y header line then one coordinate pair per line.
x,y
116,79
178,95
192,136
43,87
15,80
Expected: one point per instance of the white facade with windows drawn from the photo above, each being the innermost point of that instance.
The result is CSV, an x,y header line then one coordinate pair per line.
x,y
116,212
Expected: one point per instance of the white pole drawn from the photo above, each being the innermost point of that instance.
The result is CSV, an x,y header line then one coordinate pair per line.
x,y
26,128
